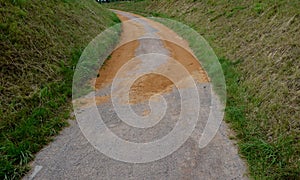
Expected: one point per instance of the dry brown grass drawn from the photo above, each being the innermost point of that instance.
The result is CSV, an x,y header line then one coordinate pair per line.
x,y
261,38
41,42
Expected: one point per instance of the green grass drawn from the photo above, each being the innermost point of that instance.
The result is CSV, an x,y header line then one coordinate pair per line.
x,y
259,43
267,160
41,42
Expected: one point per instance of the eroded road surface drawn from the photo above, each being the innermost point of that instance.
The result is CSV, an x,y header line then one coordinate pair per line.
x,y
71,156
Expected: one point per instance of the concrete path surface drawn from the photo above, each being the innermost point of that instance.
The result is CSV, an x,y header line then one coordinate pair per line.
x,y
72,156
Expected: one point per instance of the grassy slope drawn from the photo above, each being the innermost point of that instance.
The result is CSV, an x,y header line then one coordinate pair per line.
x,y
260,49
41,42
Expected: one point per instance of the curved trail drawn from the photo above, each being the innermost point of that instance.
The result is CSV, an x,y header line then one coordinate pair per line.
x,y
71,156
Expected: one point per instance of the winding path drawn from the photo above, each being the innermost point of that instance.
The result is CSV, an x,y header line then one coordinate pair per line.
x,y
71,156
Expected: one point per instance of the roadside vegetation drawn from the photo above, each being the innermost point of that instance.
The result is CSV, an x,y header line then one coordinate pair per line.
x,y
258,45
41,42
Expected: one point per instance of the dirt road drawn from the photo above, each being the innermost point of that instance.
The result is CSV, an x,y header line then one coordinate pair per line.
x,y
71,156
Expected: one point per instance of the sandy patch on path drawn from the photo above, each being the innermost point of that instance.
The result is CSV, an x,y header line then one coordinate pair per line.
x,y
151,84
184,57
124,53
112,65
147,86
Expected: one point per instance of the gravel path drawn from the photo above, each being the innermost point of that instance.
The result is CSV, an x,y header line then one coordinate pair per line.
x,y
71,156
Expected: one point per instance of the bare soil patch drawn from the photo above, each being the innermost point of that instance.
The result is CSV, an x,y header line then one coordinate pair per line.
x,y
150,84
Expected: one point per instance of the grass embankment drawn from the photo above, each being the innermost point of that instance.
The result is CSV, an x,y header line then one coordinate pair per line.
x,y
41,42
260,49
